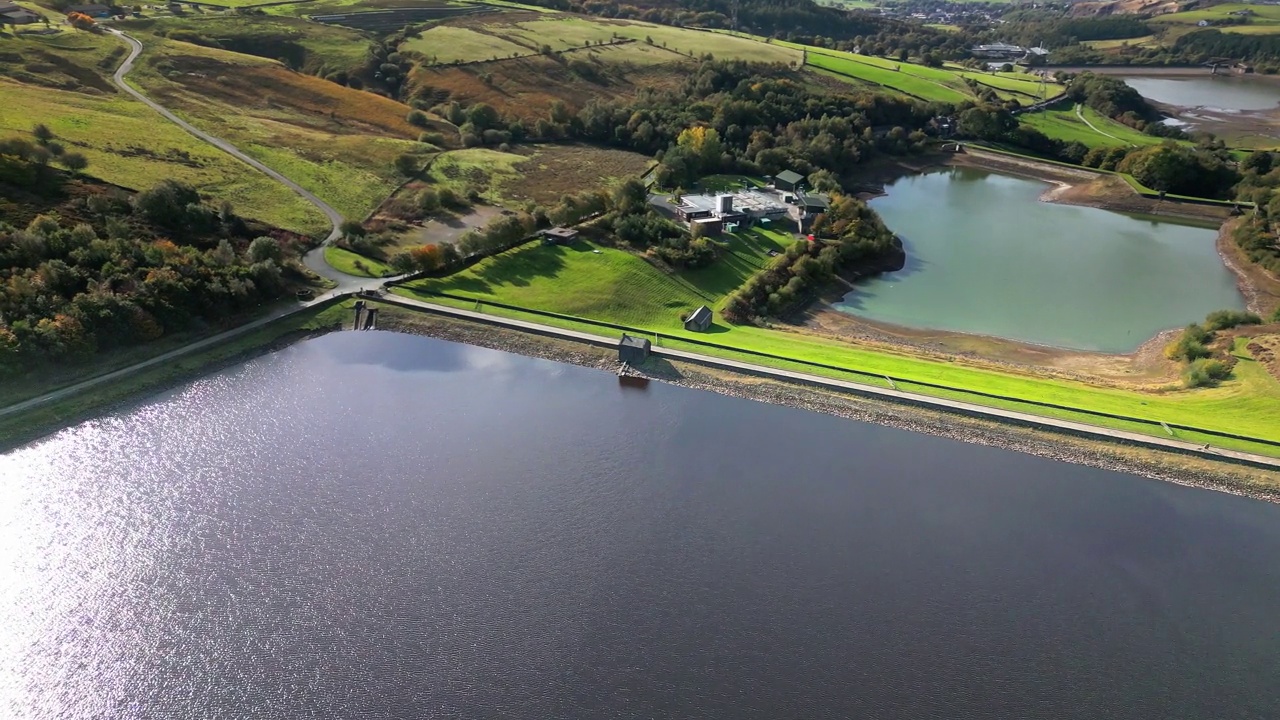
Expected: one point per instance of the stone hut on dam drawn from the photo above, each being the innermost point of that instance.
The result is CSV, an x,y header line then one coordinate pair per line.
x,y
633,350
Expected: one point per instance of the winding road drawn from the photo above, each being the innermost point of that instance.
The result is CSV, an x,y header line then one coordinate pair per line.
x,y
314,260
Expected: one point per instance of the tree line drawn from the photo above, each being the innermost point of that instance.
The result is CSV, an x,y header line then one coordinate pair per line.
x,y
125,270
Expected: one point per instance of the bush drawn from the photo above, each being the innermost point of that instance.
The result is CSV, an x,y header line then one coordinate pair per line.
x,y
1224,319
1202,373
417,118
1190,345
431,138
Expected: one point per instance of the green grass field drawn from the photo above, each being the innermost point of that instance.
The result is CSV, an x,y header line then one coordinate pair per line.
x,y
307,45
1146,41
902,81
619,287
336,142
128,144
1066,126
345,261
940,84
499,37
1260,14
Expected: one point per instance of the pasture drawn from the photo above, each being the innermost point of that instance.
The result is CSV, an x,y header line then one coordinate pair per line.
x,y
1067,126
128,144
502,35
337,142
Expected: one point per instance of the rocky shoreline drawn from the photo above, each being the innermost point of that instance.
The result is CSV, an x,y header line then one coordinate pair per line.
x,y
1172,467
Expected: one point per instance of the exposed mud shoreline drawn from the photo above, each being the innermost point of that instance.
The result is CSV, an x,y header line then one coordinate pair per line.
x,y
1160,465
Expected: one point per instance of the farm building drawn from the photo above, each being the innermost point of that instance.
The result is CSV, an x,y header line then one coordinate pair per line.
x,y
13,15
93,11
633,350
999,50
699,320
813,203
788,180
559,236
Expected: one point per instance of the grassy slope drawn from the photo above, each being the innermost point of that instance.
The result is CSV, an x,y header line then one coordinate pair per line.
x,y
128,144
345,261
619,287
497,35
337,142
942,84
1066,126
330,45
1262,14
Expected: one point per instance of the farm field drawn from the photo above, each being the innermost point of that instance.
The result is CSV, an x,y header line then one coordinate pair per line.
x,y
1146,41
345,261
138,149
541,174
69,60
308,46
527,87
1260,14
491,36
935,84
337,142
618,287
1065,125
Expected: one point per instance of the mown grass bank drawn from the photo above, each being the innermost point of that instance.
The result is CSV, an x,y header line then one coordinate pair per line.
x,y
605,291
44,419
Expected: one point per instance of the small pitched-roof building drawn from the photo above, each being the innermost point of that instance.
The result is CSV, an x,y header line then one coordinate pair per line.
x,y
633,350
699,320
559,236
814,202
787,180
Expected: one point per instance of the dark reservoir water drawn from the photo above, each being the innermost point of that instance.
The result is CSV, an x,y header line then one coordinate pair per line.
x,y
380,526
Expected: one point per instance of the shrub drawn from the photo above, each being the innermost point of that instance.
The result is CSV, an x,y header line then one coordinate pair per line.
x,y
1190,345
431,138
1275,316
407,165
264,248
1224,319
1201,373
417,118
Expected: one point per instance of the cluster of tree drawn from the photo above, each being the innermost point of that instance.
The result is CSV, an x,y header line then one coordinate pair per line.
x,y
1259,234
23,162
751,118
1202,365
1205,45
1053,28
68,290
849,238
1114,98
1182,170
426,258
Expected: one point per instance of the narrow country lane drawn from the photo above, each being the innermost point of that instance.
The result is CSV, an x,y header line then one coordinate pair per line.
x,y
314,260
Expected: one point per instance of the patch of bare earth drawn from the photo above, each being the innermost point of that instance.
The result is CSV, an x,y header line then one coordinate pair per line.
x,y
1260,288
1266,350
1145,367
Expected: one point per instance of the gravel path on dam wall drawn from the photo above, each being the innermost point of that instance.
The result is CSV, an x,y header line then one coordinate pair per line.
x,y
1145,462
